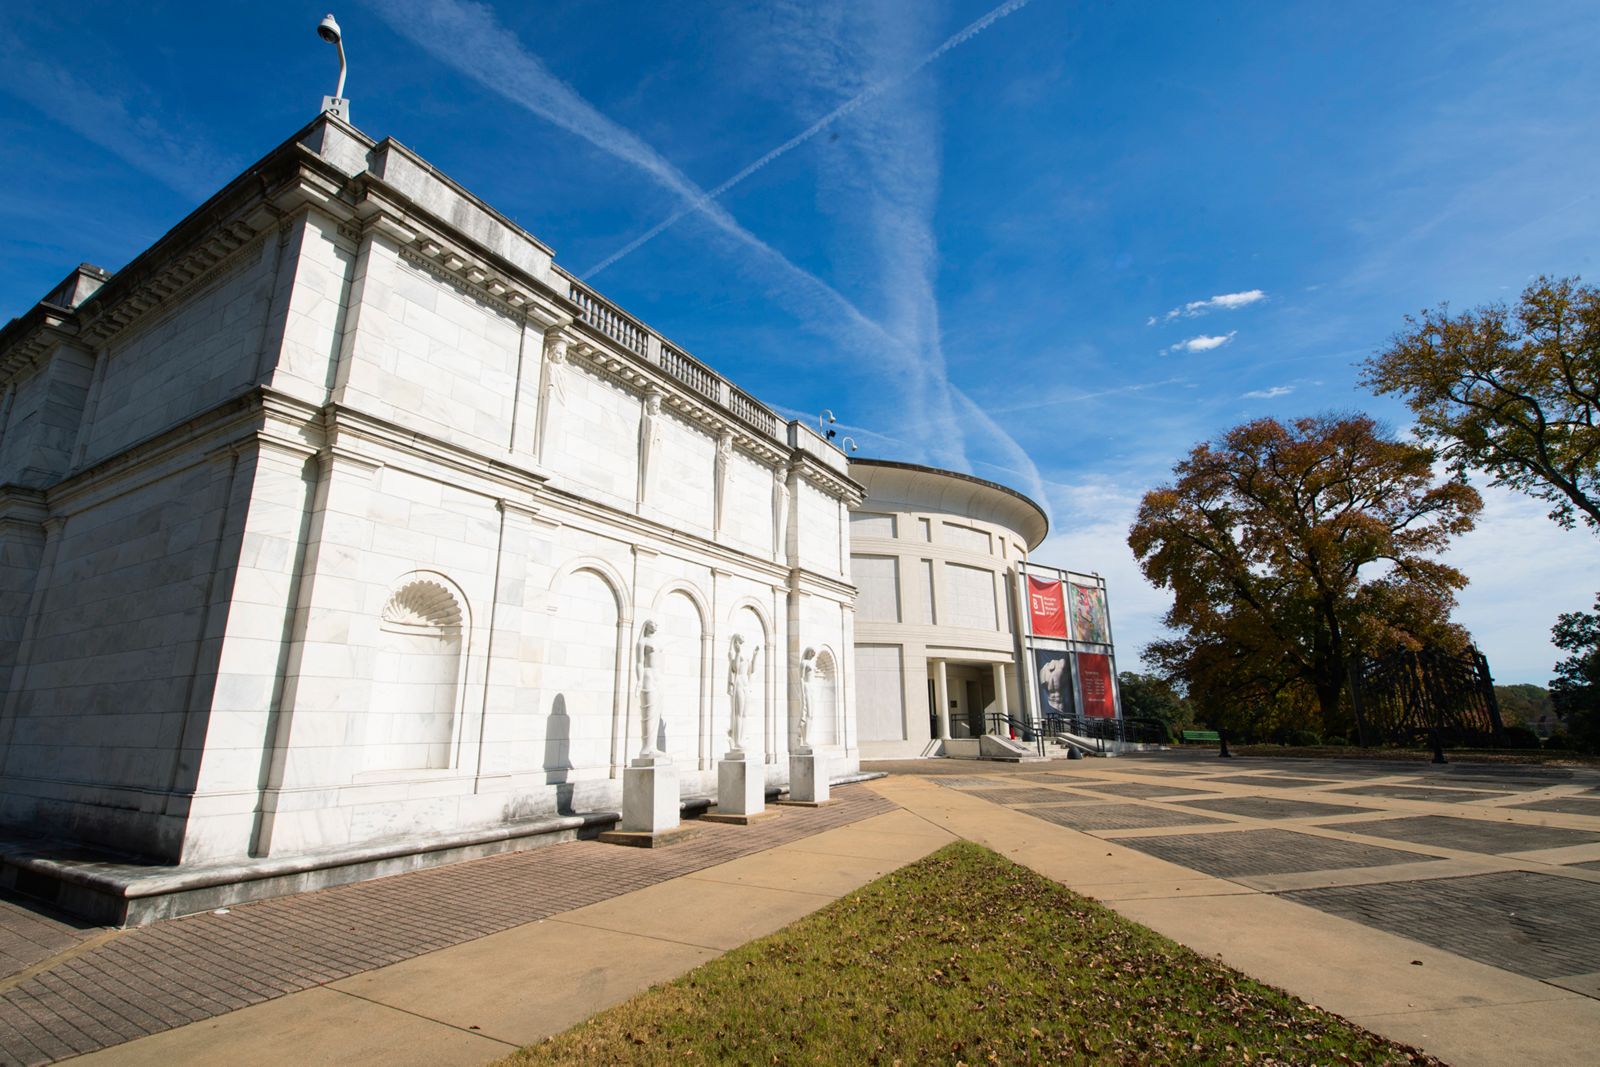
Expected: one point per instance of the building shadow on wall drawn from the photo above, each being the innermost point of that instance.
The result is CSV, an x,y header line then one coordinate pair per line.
x,y
558,753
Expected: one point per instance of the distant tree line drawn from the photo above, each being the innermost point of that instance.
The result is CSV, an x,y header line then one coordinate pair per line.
x,y
1294,549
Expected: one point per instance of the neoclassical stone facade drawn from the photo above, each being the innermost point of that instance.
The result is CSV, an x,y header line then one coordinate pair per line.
x,y
331,520
935,557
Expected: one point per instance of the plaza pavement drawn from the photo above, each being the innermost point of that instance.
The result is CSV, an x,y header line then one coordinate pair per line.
x,y
1455,908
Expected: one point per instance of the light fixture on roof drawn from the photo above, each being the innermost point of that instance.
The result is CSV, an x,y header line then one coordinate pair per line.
x,y
850,445
335,105
825,420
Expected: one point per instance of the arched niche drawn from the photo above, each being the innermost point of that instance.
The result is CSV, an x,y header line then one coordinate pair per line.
x,y
825,715
747,620
582,673
681,639
417,680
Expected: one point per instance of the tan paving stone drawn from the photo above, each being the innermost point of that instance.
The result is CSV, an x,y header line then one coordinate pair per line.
x,y
523,985
310,1029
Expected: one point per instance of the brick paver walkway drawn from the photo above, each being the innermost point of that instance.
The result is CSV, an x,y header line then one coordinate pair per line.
x,y
156,977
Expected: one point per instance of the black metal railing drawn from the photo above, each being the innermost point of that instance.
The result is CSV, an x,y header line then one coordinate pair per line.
x,y
1016,729
1135,731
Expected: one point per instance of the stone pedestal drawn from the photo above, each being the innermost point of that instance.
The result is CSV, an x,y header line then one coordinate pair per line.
x,y
808,778
741,789
650,803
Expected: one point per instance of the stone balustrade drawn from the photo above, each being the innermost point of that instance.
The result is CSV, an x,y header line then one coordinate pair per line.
x,y
616,325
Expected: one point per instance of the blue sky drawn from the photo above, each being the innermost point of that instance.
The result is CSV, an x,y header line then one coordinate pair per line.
x,y
975,221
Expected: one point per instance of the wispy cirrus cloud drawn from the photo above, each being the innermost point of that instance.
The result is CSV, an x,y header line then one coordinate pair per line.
x,y
126,122
1202,343
871,92
1220,302
1270,393
467,37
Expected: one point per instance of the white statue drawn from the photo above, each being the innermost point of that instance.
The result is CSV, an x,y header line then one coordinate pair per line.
x,y
649,436
808,675
646,671
780,511
554,390
741,669
720,483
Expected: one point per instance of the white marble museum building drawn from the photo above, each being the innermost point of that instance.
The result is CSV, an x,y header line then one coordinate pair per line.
x,y
332,523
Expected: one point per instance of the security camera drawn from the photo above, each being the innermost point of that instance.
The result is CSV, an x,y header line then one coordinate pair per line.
x,y
328,29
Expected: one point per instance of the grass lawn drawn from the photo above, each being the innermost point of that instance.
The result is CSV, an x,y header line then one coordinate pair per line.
x,y
965,957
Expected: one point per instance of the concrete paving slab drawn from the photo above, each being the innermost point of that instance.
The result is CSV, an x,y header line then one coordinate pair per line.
x,y
1550,1033
522,985
695,912
783,868
313,1028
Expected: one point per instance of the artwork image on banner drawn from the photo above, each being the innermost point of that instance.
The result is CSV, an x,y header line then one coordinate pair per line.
x,y
1094,675
1053,676
1047,608
1089,619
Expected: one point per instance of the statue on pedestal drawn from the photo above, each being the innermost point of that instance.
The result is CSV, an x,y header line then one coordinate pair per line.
x,y
808,674
646,670
741,668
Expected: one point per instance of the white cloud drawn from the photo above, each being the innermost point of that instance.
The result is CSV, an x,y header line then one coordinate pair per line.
x,y
1202,343
1268,394
1220,302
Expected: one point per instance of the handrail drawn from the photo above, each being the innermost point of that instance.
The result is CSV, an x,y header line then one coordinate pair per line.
x,y
1000,723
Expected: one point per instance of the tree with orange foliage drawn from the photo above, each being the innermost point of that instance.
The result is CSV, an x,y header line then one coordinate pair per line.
x,y
1289,550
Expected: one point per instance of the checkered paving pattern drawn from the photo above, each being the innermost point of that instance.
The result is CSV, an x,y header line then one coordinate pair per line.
x,y
1271,807
1578,805
1261,852
1146,790
161,976
1419,792
1115,817
1271,782
1472,835
1058,778
967,781
1537,925
1028,795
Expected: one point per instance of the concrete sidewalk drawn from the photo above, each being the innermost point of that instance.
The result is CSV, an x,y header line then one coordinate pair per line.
x,y
477,1001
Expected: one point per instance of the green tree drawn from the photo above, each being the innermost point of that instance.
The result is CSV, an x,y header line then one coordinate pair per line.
x,y
1291,549
1575,690
1523,704
1514,392
1149,696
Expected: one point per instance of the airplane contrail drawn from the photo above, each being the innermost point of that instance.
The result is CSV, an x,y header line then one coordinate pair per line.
x,y
876,89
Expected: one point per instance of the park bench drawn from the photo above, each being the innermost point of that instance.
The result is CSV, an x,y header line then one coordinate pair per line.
x,y
1200,735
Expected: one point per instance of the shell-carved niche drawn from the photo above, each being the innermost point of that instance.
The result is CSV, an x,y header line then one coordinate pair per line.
x,y
423,605
416,683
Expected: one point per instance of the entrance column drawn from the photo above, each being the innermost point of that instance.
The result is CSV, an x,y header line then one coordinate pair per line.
x,y
1001,703
941,697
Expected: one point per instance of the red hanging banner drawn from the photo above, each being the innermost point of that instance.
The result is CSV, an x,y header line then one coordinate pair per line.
x,y
1094,676
1047,608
